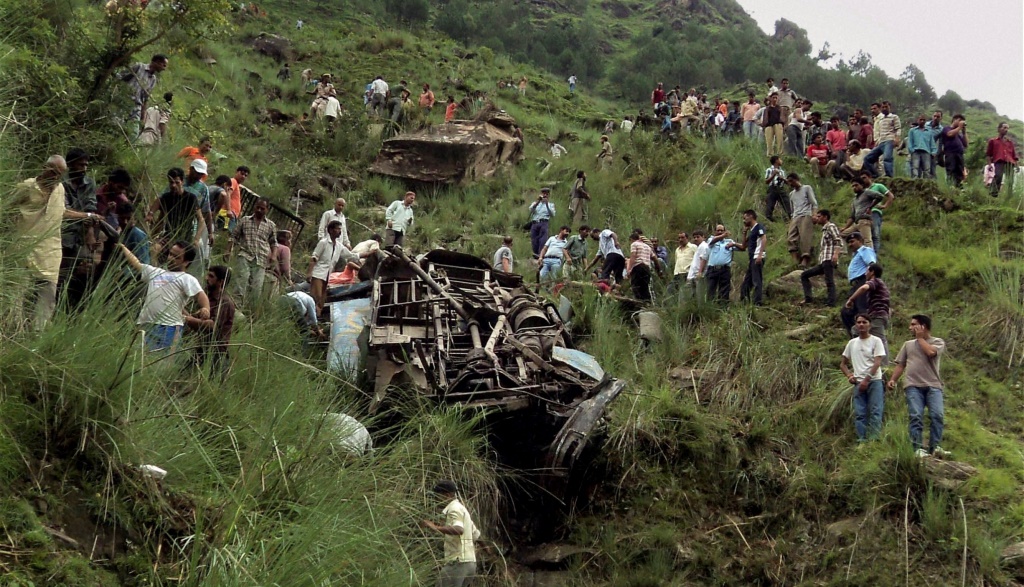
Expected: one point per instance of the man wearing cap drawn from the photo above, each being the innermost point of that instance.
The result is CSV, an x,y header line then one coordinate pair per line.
x,y
324,91
195,186
541,213
459,533
399,216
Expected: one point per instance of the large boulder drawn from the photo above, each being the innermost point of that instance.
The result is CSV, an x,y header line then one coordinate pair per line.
x,y
274,46
458,152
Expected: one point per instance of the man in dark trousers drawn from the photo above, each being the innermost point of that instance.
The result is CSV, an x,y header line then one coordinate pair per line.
x,y
754,242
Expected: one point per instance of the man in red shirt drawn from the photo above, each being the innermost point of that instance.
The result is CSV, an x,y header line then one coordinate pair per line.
x,y
1000,152
658,95
819,155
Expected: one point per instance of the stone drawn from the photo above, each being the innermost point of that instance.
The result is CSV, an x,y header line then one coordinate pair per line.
x,y
801,331
274,46
844,527
788,286
552,554
458,152
948,474
1012,558
687,378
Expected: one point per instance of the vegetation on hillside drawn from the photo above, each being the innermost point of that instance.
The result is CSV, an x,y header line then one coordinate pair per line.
x,y
745,475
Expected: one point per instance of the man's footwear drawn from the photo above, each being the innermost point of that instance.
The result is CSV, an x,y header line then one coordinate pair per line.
x,y
939,453
921,453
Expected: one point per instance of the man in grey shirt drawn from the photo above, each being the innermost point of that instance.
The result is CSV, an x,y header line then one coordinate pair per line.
x,y
919,359
801,225
503,256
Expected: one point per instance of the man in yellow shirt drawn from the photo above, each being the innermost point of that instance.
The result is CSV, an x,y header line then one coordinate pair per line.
x,y
459,533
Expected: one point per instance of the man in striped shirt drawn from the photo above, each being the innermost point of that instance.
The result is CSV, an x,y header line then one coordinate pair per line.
x,y
638,267
828,257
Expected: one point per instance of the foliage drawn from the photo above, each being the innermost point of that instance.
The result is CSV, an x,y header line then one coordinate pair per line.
x,y
952,102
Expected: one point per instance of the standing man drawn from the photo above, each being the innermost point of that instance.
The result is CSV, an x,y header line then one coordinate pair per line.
x,y
378,95
256,236
755,241
572,84
887,132
215,331
638,267
749,112
191,153
323,261
773,120
154,122
657,96
787,99
864,354
162,315
579,199
801,226
577,248
503,260
920,144
76,239
828,258
142,77
195,186
935,127
718,270
554,255
864,199
954,142
604,157
336,213
685,252
399,218
695,276
427,100
877,209
857,273
795,129
919,359
179,212
229,204
459,534
541,213
877,293
775,179
40,203
1002,153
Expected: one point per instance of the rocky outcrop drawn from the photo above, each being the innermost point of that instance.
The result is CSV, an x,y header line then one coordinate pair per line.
x,y
274,46
458,152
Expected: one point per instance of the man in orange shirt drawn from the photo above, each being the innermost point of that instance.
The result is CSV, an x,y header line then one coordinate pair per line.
x,y
749,111
230,202
427,99
190,154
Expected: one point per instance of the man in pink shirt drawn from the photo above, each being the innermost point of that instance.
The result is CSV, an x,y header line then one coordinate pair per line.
x,y
748,111
836,138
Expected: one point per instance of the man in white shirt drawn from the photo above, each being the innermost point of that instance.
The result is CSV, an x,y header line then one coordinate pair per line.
x,y
557,150
695,275
399,217
167,292
378,94
459,533
865,354
336,213
626,125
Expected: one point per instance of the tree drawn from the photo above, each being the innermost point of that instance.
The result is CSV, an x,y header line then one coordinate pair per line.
x,y
825,54
411,11
454,21
952,102
913,77
787,31
134,27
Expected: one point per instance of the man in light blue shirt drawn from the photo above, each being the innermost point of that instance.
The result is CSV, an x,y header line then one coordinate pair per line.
x,y
718,272
541,213
857,274
554,254
399,218
920,145
934,126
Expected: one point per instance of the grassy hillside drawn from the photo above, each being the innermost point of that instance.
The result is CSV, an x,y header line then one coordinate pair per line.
x,y
743,472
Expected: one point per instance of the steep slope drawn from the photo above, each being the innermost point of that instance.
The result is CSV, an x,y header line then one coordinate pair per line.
x,y
731,461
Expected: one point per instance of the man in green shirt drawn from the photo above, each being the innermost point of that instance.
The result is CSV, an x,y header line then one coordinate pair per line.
x,y
577,247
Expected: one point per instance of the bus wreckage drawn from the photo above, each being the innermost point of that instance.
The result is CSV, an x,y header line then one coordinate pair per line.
x,y
458,332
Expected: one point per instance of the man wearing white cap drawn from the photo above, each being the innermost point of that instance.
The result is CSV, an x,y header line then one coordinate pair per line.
x,y
194,185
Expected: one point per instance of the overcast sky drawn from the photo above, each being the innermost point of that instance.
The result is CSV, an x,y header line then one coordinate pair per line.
x,y
974,48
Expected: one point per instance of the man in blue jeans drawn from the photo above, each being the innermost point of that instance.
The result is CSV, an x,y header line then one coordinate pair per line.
x,y
919,359
887,133
865,354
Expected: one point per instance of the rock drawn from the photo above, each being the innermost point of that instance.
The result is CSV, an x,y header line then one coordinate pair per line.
x,y
210,61
552,554
845,527
458,152
687,378
788,286
543,578
347,434
948,474
801,331
274,46
1012,558
275,116
337,184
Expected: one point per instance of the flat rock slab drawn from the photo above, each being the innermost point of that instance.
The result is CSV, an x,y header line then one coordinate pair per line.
x,y
948,474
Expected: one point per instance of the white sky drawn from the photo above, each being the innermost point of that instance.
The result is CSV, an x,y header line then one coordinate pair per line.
x,y
974,48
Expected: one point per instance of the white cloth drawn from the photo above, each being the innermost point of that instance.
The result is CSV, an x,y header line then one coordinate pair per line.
x,y
332,108
701,256
326,256
459,548
861,353
328,217
166,295
364,248
606,245
305,304
349,435
151,121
